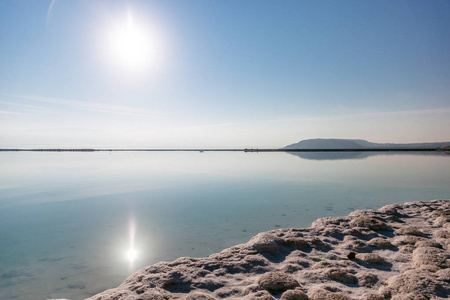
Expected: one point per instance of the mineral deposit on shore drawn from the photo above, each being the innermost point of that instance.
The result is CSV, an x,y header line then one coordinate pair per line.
x,y
398,252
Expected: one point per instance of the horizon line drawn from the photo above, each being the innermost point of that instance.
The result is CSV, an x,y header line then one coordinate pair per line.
x,y
417,149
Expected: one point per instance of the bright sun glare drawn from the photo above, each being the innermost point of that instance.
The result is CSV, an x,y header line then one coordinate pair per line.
x,y
132,46
131,255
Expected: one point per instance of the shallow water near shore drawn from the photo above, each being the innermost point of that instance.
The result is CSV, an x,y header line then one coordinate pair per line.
x,y
75,224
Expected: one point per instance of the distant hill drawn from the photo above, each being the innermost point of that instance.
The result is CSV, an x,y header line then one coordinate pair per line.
x,y
359,144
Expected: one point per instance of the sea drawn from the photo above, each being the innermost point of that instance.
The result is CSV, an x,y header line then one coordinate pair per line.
x,y
73,224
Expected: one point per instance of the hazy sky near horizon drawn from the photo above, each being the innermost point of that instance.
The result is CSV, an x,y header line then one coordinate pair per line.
x,y
183,74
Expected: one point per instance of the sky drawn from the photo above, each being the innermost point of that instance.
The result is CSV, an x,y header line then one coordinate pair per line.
x,y
222,74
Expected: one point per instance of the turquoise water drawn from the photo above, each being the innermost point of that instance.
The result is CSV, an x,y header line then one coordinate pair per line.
x,y
75,224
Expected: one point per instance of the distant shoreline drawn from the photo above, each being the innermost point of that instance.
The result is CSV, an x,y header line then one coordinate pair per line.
x,y
229,150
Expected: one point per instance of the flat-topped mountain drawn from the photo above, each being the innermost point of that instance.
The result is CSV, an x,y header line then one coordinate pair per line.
x,y
360,144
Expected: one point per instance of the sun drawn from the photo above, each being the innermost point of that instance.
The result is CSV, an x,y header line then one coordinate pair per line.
x,y
131,45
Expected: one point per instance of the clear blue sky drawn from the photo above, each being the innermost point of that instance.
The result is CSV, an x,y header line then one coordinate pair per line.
x,y
222,73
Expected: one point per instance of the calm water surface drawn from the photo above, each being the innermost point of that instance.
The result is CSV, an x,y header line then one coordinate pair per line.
x,y
75,224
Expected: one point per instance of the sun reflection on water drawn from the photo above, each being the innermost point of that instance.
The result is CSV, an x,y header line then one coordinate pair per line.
x,y
131,254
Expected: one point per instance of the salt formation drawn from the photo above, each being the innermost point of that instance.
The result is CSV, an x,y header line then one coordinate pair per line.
x,y
400,252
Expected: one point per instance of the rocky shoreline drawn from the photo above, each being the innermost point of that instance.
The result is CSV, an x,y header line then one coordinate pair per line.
x,y
398,252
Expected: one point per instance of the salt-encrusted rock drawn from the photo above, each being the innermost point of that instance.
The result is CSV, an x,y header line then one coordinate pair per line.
x,y
297,242
371,213
199,296
371,223
408,249
431,256
333,231
380,243
443,218
442,234
294,295
252,288
261,295
428,243
401,258
356,245
372,296
367,279
327,293
327,222
360,232
316,258
390,210
266,242
385,291
418,283
320,244
342,275
371,258
406,240
277,282
409,296
409,230
118,294
295,263
444,275
441,221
